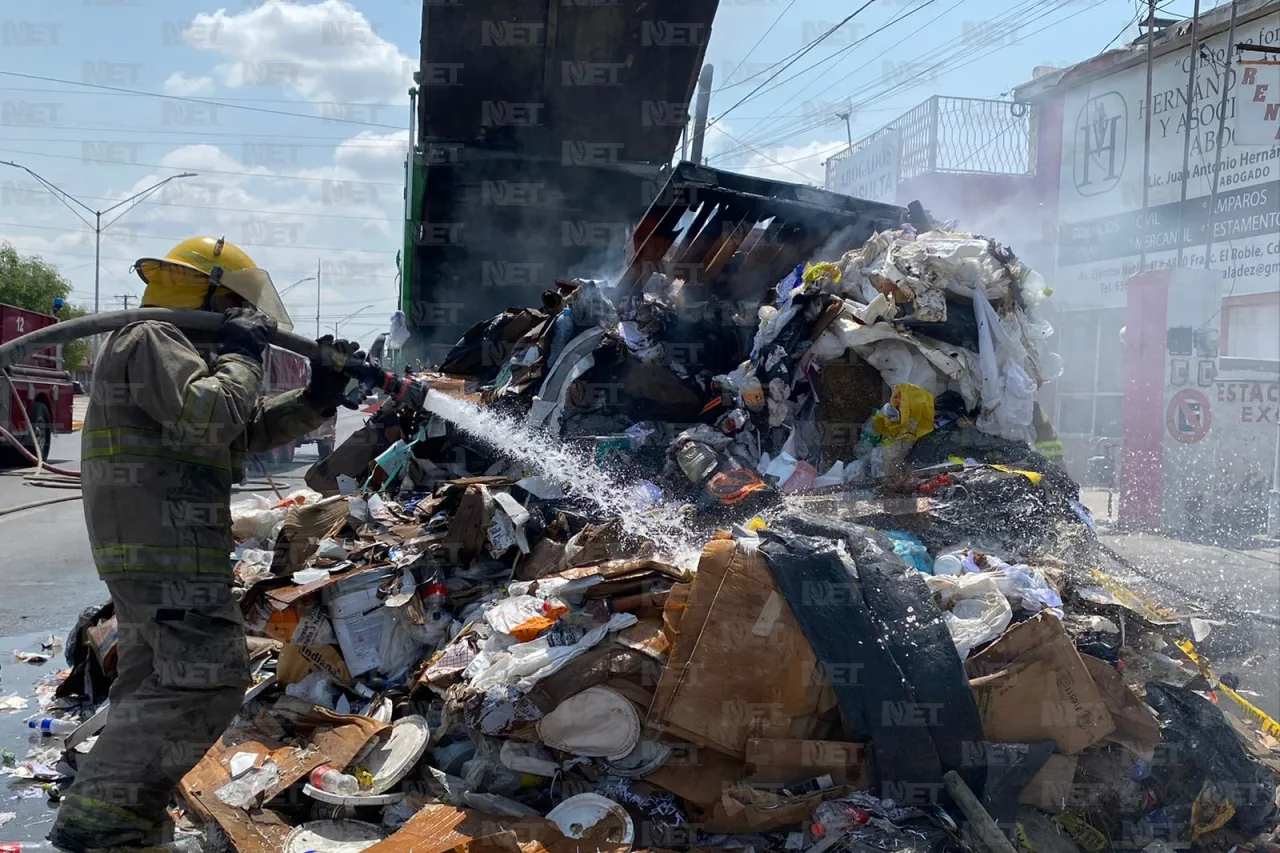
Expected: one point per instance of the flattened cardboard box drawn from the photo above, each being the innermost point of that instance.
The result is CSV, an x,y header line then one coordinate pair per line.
x,y
791,761
1030,684
740,667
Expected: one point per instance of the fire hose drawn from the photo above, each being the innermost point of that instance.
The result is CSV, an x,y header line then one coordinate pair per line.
x,y
362,367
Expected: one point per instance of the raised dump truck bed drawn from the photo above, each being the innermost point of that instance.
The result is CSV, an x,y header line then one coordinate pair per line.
x,y
544,129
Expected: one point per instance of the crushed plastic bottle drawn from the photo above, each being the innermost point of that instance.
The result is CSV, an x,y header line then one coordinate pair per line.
x,y
327,778
836,817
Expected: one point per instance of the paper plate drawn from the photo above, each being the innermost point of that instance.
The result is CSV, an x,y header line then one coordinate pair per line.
x,y
647,757
391,760
358,800
598,723
592,817
332,836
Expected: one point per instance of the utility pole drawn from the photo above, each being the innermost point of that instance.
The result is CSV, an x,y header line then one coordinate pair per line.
x,y
1229,59
317,297
125,297
1186,139
848,127
1146,136
700,112
96,224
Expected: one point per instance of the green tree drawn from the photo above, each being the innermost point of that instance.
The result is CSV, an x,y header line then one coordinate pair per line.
x,y
32,283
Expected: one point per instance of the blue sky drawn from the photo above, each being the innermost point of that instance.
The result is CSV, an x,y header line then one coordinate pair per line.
x,y
313,173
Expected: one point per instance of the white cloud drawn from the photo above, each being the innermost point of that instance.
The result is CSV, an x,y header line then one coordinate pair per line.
x,y
796,164
183,86
323,52
792,163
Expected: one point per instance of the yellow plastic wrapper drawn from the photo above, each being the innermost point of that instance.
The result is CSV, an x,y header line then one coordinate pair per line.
x,y
915,414
826,269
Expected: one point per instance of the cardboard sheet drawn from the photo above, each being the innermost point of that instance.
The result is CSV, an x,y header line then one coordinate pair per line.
x,y
1031,684
740,667
790,761
1050,789
1137,727
745,809
296,662
261,830
697,775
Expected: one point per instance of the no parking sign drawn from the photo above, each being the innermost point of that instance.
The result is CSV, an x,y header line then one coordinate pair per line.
x,y
1188,417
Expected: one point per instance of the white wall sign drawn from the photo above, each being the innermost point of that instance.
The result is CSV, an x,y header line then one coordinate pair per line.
x,y
871,172
1102,227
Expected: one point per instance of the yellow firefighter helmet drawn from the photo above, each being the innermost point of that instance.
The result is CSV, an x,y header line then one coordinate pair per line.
x,y
182,277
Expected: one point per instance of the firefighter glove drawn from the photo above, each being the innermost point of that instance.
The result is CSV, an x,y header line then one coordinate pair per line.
x,y
328,386
245,331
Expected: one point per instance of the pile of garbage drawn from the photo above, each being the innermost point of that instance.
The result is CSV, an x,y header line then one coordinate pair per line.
x,y
892,627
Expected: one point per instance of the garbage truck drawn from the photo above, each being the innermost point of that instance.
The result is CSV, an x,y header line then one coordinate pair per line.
x,y
39,384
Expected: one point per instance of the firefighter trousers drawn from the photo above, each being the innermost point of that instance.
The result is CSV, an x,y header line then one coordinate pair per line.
x,y
182,669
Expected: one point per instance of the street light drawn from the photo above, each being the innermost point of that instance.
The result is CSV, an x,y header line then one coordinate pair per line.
x,y
96,225
296,283
348,317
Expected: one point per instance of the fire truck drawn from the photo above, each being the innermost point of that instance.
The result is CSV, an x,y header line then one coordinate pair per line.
x,y
39,384
285,371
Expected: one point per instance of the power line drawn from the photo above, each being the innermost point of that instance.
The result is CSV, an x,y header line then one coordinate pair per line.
x,y
265,139
204,101
204,171
852,45
390,218
142,94
953,50
42,251
810,47
947,64
764,155
781,15
138,234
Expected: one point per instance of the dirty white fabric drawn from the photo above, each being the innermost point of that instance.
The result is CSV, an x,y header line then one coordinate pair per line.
x,y
598,722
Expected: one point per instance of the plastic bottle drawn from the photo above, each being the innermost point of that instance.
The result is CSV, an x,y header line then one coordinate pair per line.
x,y
752,393
327,778
52,726
948,564
835,817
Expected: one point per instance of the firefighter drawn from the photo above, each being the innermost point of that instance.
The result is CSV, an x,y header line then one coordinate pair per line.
x,y
1047,443
164,439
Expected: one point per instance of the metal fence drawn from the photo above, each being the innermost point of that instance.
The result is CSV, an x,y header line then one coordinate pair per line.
x,y
958,135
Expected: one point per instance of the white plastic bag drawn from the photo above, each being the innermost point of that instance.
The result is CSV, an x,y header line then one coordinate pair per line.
x,y
317,689
509,613
974,609
525,664
256,517
1008,392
